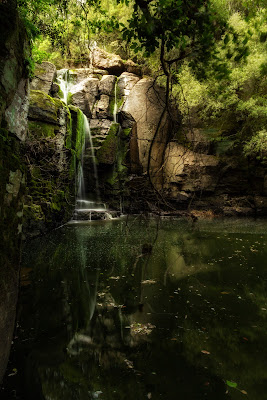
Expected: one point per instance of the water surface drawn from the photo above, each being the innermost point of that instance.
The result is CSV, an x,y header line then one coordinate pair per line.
x,y
143,309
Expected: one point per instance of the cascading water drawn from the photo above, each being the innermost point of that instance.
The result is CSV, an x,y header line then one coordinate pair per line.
x,y
88,137
115,109
86,209
64,84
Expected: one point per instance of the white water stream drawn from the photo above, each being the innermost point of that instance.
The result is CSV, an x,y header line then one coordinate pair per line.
x,y
84,205
89,137
115,110
64,84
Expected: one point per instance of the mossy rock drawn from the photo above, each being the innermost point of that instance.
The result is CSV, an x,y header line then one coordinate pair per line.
x,y
33,212
41,129
44,108
107,153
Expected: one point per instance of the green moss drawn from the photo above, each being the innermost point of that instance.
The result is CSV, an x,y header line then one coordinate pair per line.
x,y
39,70
113,180
107,153
125,133
43,107
69,98
68,139
71,373
41,129
119,99
12,171
60,93
80,134
33,212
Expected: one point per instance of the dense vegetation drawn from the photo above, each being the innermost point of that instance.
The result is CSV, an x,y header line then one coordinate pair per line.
x,y
211,56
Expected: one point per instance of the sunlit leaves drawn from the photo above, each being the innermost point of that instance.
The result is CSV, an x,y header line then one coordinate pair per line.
x,y
231,384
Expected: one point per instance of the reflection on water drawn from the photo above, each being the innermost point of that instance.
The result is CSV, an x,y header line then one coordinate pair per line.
x,y
144,309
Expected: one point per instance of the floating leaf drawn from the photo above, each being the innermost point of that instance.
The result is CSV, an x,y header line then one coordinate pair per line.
x,y
231,384
243,391
205,352
148,282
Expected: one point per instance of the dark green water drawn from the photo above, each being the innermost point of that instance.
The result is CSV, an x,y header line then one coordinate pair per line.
x,y
143,309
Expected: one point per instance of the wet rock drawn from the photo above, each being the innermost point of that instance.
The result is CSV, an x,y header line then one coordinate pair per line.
x,y
108,150
100,126
84,94
44,76
91,215
55,90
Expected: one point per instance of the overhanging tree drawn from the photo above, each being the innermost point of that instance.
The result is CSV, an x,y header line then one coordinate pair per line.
x,y
181,30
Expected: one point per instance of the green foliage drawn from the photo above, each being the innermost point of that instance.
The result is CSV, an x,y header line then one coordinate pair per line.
x,y
68,36
213,53
235,104
256,147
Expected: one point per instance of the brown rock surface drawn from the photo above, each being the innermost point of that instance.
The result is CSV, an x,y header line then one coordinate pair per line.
x,y
107,85
45,74
145,104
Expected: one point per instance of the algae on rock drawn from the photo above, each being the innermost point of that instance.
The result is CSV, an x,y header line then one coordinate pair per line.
x,y
53,153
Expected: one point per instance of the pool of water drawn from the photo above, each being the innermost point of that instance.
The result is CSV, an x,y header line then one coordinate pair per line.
x,y
143,309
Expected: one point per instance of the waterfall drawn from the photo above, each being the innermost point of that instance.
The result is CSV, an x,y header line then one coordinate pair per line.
x,y
64,84
115,109
86,208
88,137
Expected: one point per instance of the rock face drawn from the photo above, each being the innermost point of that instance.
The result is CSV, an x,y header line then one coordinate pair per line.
x,y
13,131
56,135
84,95
113,63
145,103
130,133
186,172
45,74
211,182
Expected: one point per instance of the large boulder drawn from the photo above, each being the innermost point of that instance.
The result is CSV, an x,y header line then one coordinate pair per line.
x,y
103,108
132,68
113,63
146,104
99,129
44,108
84,95
126,82
44,76
186,171
107,61
108,151
78,75
107,85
